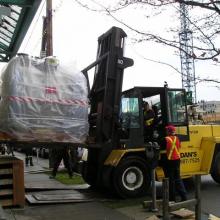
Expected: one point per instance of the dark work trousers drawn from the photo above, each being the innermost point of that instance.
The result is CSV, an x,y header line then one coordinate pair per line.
x,y
59,155
73,158
172,171
28,156
148,133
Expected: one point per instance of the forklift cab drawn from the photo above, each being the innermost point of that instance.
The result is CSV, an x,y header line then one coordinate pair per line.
x,y
169,106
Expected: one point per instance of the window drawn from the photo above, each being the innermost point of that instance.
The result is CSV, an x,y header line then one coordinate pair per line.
x,y
176,107
130,113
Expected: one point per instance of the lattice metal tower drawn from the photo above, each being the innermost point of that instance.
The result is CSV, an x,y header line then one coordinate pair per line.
x,y
186,54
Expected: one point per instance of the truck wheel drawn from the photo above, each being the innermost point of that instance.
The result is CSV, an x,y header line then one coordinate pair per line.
x,y
216,169
131,178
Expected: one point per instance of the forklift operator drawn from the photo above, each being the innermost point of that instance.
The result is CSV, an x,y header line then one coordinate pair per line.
x,y
149,116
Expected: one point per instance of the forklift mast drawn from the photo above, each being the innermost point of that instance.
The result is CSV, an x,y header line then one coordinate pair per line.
x,y
104,98
105,93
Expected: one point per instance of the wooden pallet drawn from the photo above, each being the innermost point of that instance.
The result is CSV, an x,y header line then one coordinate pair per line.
x,y
11,181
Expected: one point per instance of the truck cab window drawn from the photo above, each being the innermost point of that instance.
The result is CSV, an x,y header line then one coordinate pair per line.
x,y
176,110
130,113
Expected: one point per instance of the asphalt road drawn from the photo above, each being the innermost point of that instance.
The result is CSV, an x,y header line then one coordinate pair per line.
x,y
210,193
210,199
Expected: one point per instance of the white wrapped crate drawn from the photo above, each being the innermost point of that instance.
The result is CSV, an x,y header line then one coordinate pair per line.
x,y
42,100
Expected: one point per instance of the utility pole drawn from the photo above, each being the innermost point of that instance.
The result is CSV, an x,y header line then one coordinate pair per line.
x,y
186,54
44,38
47,45
49,49
47,32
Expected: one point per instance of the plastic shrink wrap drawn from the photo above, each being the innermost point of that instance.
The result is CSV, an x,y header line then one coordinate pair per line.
x,y
41,100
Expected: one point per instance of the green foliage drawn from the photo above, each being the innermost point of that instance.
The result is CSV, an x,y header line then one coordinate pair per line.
x,y
63,177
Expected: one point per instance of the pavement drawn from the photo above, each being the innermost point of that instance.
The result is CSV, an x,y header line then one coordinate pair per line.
x,y
92,210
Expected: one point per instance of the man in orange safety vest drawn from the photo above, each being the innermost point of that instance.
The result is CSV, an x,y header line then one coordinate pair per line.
x,y
171,164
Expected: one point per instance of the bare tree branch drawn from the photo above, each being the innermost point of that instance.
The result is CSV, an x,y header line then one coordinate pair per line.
x,y
198,79
210,52
204,21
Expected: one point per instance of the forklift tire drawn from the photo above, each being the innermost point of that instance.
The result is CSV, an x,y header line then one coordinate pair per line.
x,y
216,169
131,178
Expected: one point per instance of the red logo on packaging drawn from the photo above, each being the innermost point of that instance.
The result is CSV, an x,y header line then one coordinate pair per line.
x,y
51,90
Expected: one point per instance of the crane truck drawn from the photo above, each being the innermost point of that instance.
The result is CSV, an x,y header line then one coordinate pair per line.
x,y
119,157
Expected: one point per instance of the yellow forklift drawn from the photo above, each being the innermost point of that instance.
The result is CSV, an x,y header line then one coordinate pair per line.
x,y
119,156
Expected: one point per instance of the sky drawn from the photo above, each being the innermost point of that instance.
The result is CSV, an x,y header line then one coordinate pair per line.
x,y
75,34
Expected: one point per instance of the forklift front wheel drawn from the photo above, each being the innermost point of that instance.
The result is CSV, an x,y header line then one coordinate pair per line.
x,y
131,177
216,169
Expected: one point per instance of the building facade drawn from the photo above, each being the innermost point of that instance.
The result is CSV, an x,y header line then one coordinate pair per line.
x,y
210,110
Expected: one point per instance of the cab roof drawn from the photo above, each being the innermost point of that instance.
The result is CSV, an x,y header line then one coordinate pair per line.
x,y
149,91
